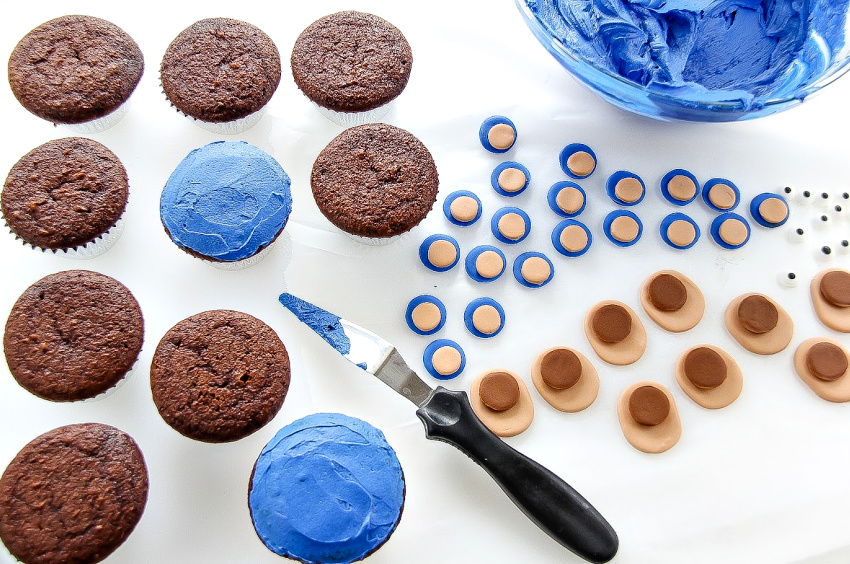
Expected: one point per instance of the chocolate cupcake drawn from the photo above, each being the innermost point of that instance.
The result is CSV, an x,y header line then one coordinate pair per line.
x,y
67,195
225,203
73,335
76,70
375,181
220,375
351,65
221,72
327,488
73,494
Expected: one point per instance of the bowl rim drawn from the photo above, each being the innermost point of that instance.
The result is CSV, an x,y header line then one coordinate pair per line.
x,y
538,27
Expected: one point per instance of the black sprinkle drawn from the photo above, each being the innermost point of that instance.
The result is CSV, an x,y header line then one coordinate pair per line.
x,y
807,194
824,195
845,243
824,218
791,276
787,189
826,250
846,196
838,208
799,231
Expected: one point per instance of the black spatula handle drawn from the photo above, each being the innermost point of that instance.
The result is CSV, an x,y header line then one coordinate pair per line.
x,y
545,498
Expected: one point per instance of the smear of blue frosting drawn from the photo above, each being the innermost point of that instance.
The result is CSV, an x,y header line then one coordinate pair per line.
x,y
327,488
746,51
226,201
322,322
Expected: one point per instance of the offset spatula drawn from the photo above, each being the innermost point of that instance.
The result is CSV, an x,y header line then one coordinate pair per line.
x,y
447,415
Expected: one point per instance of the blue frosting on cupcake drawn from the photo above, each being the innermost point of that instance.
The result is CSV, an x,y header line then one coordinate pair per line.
x,y
327,488
226,201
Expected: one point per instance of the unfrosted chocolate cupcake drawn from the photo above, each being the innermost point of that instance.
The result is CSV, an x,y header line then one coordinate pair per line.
x,y
220,375
75,69
220,70
350,63
73,335
66,194
375,181
73,494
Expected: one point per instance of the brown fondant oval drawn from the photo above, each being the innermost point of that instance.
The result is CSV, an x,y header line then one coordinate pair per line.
x,y
611,323
649,406
757,314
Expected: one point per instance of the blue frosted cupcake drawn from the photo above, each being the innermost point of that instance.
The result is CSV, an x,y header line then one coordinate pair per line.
x,y
226,202
327,488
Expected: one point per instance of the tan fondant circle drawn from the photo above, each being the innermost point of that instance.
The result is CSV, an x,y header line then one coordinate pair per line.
x,y
681,188
722,196
573,238
512,226
581,163
446,360
834,317
624,229
627,351
464,208
503,423
486,319
773,210
681,233
512,179
426,316
684,318
628,190
535,270
838,390
499,391
569,199
732,231
718,397
501,136
575,398
489,264
771,342
442,253
650,439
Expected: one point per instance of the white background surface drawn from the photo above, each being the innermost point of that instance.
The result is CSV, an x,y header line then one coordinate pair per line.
x,y
762,481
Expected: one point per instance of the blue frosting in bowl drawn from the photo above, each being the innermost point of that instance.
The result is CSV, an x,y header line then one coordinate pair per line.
x,y
327,488
226,201
744,53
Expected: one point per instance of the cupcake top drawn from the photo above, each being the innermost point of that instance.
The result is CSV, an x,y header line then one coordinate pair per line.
x,y
327,488
219,70
219,376
375,180
65,193
73,335
73,494
226,201
74,69
351,61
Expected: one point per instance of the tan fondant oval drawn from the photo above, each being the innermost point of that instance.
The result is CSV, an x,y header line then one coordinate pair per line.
x,y
718,397
837,391
512,180
581,163
577,397
569,199
501,136
573,238
657,438
503,423
442,253
681,188
683,319
722,196
627,351
834,317
771,342
464,208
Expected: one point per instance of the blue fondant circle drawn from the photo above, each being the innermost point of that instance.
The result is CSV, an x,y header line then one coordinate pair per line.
x,y
667,221
419,300
485,128
426,244
556,238
494,225
475,304
494,178
447,207
552,197
473,256
517,269
428,358
609,219
611,186
568,151
754,209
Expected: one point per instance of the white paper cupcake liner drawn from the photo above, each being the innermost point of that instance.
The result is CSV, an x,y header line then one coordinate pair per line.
x,y
101,124
376,241
350,119
241,264
220,128
86,251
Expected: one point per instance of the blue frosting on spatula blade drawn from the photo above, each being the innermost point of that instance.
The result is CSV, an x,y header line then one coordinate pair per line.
x,y
324,323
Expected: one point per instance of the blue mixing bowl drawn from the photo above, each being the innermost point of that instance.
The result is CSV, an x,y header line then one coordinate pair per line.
x,y
793,85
